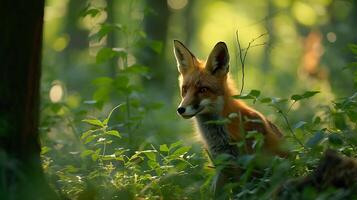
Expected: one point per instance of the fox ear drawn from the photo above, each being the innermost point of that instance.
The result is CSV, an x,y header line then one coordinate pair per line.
x,y
183,57
218,60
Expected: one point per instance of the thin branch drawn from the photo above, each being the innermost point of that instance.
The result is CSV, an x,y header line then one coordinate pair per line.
x,y
256,45
291,106
245,51
241,61
289,126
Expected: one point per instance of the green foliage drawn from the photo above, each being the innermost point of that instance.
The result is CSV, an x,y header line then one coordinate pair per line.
x,y
102,151
143,173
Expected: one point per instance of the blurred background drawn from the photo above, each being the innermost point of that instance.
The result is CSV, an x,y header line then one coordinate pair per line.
x,y
305,47
101,53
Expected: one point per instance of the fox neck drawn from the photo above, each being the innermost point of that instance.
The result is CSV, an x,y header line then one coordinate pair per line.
x,y
215,135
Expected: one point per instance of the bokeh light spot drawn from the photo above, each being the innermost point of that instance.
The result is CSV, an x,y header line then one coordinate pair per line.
x,y
331,37
177,4
60,43
56,93
304,13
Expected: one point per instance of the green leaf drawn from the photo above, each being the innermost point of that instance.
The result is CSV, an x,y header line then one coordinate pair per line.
x,y
121,82
89,139
307,94
253,94
156,46
102,94
299,124
314,140
106,54
181,151
176,144
109,157
266,100
105,122
45,149
95,156
71,169
104,30
114,133
252,134
151,154
164,148
335,139
136,69
152,164
353,48
86,153
86,134
94,122
103,81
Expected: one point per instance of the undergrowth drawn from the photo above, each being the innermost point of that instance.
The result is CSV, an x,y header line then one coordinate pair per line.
x,y
101,161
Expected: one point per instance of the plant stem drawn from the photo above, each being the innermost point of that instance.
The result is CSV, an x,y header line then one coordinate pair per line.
x,y
290,128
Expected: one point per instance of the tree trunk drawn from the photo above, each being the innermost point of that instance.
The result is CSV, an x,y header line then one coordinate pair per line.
x,y
21,175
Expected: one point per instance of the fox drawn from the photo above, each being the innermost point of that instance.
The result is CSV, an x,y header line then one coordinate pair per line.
x,y
206,90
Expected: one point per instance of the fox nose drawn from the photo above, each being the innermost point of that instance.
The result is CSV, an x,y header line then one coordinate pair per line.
x,y
181,110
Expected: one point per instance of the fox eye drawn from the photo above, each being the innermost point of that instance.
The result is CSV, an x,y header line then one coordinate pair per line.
x,y
203,90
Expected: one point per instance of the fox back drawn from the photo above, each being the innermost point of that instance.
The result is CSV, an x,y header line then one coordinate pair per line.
x,y
207,91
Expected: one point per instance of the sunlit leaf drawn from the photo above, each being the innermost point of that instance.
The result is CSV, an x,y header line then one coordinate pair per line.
x,y
86,153
106,120
181,151
89,139
150,154
109,157
152,164
176,144
94,122
114,133
95,156
164,148
45,149
86,134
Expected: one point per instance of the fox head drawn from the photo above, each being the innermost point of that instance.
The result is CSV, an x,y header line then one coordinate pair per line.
x,y
202,84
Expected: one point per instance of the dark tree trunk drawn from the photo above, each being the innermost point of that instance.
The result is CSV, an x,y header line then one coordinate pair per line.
x,y
112,37
21,175
156,27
